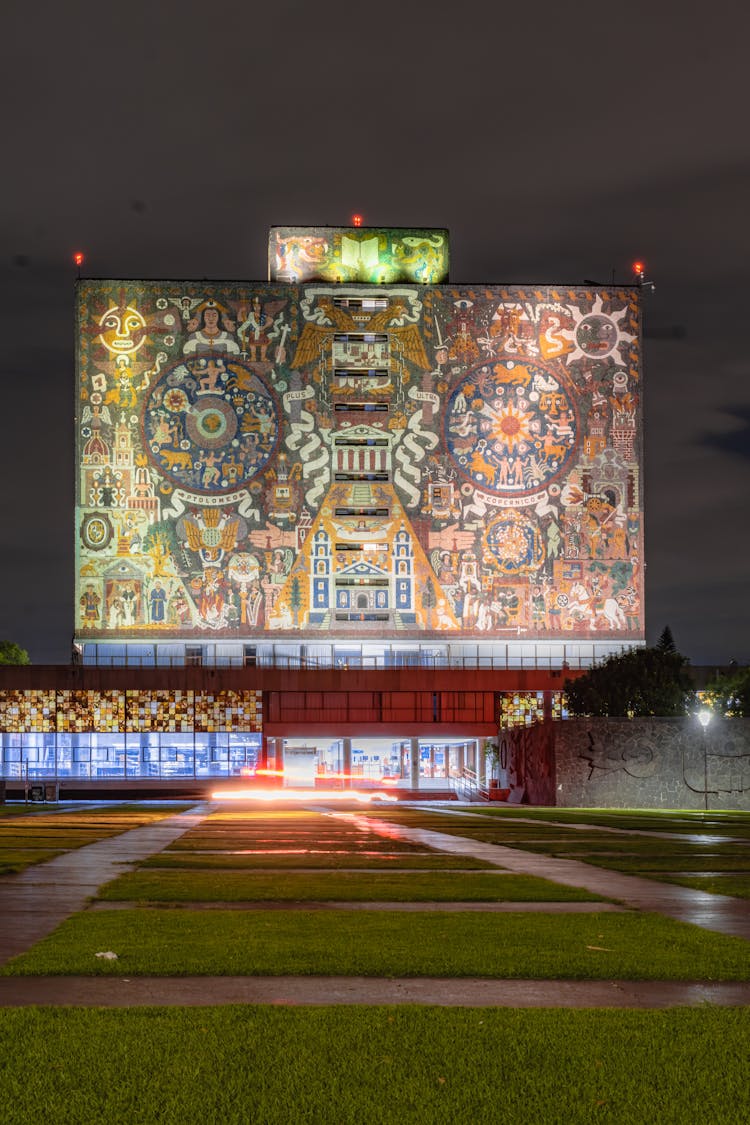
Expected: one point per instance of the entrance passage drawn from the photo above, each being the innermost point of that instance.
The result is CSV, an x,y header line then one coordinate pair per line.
x,y
357,762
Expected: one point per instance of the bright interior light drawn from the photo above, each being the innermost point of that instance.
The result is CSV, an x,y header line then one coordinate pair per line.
x,y
301,795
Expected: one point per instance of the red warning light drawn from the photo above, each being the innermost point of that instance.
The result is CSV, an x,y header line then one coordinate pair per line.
x,y
78,258
639,268
356,220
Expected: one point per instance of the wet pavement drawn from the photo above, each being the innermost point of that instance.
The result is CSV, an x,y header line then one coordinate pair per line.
x,y
468,992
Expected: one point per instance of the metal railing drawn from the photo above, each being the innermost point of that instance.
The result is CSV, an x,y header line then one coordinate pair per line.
x,y
465,785
285,661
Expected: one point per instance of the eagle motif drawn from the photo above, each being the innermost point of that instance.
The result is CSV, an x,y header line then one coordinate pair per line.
x,y
210,532
315,338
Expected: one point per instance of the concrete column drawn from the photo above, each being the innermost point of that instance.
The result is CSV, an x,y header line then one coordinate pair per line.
x,y
460,752
414,762
446,760
432,761
275,754
346,761
481,762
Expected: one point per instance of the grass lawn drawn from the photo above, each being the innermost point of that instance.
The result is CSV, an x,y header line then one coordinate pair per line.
x,y
35,837
715,846
377,886
13,860
736,886
338,859
373,1066
386,944
643,820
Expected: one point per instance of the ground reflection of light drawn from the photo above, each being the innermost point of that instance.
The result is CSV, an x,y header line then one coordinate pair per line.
x,y
360,852
300,795
380,780
382,827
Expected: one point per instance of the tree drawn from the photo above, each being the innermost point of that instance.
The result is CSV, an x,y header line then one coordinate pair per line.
x,y
728,693
666,641
643,681
429,601
11,653
295,600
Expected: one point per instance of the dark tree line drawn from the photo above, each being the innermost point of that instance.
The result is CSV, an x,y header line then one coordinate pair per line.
x,y
640,682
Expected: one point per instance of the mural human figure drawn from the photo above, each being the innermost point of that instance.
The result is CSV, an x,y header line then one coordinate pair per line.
x,y
209,333
158,603
90,601
129,600
115,613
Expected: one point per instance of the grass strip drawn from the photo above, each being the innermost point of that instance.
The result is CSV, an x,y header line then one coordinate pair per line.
x,y
683,821
256,943
297,845
600,848
384,1066
700,863
17,859
736,886
212,886
323,861
35,838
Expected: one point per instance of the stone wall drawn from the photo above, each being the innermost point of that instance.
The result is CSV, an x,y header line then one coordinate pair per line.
x,y
638,763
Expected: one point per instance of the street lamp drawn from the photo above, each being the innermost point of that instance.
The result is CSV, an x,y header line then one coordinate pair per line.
x,y
704,717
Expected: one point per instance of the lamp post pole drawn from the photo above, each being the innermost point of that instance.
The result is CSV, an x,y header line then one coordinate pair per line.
x,y
704,718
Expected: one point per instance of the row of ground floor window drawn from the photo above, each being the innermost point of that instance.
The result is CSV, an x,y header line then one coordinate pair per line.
x,y
164,755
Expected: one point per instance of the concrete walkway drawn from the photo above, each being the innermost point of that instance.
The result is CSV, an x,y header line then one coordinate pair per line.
x,y
712,912
390,907
38,899
468,992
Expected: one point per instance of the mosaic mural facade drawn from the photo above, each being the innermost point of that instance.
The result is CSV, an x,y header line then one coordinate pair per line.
x,y
46,711
371,254
397,460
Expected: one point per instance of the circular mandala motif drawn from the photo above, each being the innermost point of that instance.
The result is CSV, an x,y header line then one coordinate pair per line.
x,y
514,543
96,532
210,424
511,427
596,335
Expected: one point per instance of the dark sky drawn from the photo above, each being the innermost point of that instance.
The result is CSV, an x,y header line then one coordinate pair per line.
x,y
558,142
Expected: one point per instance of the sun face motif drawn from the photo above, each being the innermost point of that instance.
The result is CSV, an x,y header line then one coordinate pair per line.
x,y
123,330
175,399
512,427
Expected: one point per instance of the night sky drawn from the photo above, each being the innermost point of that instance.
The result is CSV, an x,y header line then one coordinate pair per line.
x,y
558,143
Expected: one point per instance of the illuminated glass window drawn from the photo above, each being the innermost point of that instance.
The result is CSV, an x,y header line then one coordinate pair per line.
x,y
361,304
517,709
361,353
361,407
361,476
